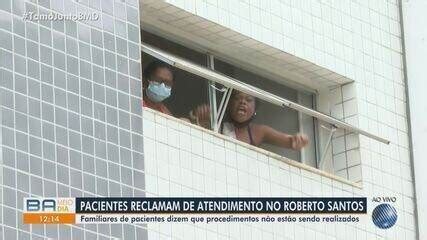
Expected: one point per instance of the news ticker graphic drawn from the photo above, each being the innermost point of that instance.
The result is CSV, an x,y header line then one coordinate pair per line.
x,y
116,210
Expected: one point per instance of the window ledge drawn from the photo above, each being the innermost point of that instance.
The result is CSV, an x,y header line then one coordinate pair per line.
x,y
257,149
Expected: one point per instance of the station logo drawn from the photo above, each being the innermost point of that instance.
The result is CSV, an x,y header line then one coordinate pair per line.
x,y
59,205
49,210
384,215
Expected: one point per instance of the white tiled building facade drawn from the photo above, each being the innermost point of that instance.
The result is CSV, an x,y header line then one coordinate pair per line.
x,y
71,112
350,52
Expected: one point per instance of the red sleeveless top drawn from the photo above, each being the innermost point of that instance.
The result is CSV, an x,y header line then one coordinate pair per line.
x,y
146,102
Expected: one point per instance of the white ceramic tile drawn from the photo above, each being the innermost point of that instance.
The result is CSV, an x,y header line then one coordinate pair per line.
x,y
149,128
340,161
338,145
350,107
196,145
172,137
185,141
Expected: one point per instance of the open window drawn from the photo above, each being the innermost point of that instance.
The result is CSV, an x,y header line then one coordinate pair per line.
x,y
204,78
192,90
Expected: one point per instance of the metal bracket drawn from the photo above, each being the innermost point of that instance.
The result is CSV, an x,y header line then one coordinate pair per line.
x,y
328,144
212,94
222,108
223,89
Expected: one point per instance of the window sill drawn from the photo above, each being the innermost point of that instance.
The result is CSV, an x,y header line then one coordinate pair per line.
x,y
250,147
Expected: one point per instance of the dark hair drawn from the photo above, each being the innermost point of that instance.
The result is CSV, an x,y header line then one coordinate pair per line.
x,y
257,101
233,93
153,66
227,116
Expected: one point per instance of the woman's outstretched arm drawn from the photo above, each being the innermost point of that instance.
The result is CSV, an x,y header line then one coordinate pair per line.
x,y
272,136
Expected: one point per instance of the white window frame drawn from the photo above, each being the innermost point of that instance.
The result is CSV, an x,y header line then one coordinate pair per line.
x,y
251,90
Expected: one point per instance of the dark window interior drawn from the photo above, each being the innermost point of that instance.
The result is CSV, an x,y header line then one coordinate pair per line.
x,y
189,90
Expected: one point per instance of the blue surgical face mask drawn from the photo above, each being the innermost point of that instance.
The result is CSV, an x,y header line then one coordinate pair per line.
x,y
158,92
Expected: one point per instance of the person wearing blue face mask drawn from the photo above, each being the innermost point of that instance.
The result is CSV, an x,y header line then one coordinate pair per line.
x,y
157,84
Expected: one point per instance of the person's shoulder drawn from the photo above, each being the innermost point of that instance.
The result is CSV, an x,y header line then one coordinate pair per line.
x,y
165,109
260,126
261,131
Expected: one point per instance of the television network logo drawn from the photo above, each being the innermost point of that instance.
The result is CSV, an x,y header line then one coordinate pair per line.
x,y
49,210
384,215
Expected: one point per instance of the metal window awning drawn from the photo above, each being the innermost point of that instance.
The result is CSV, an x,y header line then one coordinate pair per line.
x,y
254,91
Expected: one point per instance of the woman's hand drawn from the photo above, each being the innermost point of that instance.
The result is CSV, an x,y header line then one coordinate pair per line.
x,y
202,115
299,141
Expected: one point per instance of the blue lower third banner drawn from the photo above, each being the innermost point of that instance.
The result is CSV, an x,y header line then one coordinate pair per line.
x,y
208,210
